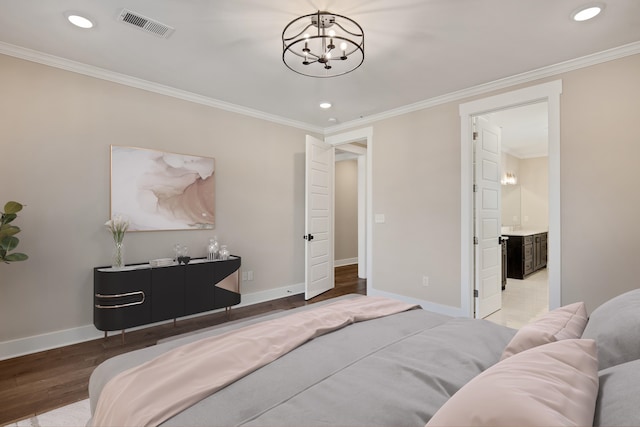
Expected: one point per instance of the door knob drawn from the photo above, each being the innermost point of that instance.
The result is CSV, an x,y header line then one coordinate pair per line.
x,y
308,237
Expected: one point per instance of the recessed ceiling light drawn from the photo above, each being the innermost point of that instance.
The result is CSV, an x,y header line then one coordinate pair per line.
x,y
79,21
587,12
325,105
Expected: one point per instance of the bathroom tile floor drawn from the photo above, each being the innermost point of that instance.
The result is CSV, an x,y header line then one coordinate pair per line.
x,y
523,300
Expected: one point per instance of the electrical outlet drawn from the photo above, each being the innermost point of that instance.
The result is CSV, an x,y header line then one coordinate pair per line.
x,y
250,275
425,281
244,276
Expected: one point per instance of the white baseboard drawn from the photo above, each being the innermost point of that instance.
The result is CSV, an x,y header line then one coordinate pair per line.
x,y
427,305
271,294
37,343
343,262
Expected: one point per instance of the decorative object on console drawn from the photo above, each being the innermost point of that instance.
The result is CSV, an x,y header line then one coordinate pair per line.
x,y
182,253
224,252
118,226
8,240
157,190
309,45
213,249
161,262
177,251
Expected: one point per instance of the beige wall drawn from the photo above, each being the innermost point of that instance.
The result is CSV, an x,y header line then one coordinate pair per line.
x,y
55,137
346,211
600,146
416,183
57,127
534,184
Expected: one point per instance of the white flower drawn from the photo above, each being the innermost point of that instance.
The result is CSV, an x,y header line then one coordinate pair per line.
x,y
118,225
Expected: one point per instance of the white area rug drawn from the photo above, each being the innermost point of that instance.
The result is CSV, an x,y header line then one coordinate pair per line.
x,y
74,415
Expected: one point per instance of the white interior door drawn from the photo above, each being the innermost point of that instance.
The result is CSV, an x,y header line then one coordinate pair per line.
x,y
488,251
319,198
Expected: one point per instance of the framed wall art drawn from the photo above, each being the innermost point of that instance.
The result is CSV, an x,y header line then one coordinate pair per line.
x,y
157,190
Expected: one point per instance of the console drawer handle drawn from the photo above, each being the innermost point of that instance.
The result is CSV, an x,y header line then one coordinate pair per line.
x,y
128,294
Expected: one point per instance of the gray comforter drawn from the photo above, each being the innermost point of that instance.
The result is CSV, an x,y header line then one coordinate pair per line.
x,y
392,371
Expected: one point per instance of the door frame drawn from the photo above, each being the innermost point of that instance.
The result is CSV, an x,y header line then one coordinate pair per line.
x,y
549,92
357,135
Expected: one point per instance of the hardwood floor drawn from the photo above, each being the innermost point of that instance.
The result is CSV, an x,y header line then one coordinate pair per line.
x,y
39,382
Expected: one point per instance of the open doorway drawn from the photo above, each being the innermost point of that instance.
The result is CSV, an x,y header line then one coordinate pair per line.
x,y
524,212
346,209
549,92
350,206
357,142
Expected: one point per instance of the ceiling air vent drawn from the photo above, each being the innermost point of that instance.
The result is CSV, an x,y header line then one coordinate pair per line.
x,y
146,24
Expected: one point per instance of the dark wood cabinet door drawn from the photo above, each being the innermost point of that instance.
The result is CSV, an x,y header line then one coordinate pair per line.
x,y
167,293
526,254
121,299
199,287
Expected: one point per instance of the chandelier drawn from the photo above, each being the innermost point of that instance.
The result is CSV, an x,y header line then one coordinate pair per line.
x,y
323,44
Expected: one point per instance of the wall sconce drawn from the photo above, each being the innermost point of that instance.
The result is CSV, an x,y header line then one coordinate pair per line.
x,y
509,178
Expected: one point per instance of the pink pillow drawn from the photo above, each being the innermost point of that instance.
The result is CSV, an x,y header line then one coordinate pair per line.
x,y
560,324
550,385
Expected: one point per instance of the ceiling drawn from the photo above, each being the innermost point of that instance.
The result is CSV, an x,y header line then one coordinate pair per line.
x,y
524,130
230,51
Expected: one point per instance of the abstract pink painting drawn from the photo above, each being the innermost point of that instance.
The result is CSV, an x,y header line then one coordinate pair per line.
x,y
156,190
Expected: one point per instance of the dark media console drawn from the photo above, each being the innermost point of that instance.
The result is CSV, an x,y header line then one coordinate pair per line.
x,y
140,294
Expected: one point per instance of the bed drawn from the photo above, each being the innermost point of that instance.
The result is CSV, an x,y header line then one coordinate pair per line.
x,y
416,367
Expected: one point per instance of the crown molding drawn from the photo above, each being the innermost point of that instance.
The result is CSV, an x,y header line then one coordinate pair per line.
x,y
100,73
529,76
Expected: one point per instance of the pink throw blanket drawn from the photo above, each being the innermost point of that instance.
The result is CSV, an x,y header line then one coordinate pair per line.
x,y
154,391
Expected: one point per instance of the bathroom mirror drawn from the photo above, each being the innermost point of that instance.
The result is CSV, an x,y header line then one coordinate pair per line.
x,y
511,215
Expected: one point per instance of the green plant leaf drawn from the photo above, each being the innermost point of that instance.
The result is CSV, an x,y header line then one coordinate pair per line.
x,y
9,243
7,218
8,230
16,257
12,207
